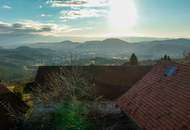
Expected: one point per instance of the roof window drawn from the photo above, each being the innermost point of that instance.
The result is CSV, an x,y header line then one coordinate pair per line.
x,y
170,71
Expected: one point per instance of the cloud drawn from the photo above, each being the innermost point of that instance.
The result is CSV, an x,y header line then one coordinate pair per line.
x,y
28,31
78,3
29,27
78,9
45,15
24,27
6,7
81,13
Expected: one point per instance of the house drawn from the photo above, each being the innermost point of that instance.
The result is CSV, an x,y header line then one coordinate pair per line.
x,y
12,109
110,81
161,99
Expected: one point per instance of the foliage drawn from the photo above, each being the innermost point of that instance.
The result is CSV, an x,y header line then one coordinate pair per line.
x,y
15,73
166,57
72,116
64,85
133,59
44,121
28,87
187,57
67,91
18,91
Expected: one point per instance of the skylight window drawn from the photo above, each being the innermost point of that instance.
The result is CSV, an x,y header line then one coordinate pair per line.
x,y
170,71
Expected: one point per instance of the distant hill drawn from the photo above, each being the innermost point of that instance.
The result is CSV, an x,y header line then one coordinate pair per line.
x,y
110,48
10,42
142,39
22,62
19,62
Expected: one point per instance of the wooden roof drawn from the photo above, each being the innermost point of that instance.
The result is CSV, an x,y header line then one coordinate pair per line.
x,y
160,102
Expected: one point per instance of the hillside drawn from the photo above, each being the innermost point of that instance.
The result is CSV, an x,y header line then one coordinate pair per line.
x,y
21,61
111,48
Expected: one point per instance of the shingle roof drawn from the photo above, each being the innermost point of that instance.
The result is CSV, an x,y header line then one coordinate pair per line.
x,y
160,102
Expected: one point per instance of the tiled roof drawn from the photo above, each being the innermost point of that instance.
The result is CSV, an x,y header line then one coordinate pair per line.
x,y
15,102
160,102
3,89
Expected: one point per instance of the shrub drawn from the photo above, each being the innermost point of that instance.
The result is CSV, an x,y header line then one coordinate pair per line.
x,y
64,85
69,92
72,116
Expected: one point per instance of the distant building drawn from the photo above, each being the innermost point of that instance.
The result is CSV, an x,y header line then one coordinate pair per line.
x,y
11,109
161,100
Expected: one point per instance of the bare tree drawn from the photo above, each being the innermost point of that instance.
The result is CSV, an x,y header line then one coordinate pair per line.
x,y
66,85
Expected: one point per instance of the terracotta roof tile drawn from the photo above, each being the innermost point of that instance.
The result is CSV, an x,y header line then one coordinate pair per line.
x,y
3,89
160,102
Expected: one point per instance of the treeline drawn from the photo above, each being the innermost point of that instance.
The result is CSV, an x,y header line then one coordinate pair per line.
x,y
14,74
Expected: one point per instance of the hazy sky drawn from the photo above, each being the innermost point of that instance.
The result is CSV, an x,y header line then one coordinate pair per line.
x,y
34,19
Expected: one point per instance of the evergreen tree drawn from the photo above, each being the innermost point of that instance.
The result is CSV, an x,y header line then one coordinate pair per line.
x,y
166,57
133,59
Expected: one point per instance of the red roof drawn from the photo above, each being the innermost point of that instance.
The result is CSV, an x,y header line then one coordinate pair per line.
x,y
160,102
3,89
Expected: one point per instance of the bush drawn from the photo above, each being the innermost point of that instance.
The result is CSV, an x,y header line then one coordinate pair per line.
x,y
72,116
44,121
68,91
63,86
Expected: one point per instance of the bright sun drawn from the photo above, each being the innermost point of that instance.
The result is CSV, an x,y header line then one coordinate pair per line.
x,y
123,14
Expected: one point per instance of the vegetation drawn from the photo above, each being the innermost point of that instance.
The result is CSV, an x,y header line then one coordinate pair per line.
x,y
65,85
73,116
133,59
187,57
63,103
166,57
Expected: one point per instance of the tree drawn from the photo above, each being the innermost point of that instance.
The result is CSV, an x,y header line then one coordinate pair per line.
x,y
64,86
186,57
166,58
68,92
133,59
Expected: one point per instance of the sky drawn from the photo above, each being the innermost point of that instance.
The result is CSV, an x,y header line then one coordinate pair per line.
x,y
53,20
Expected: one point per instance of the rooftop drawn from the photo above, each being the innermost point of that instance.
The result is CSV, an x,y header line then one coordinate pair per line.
x,y
158,101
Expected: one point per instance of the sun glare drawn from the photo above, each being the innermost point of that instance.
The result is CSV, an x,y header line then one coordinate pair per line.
x,y
123,14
